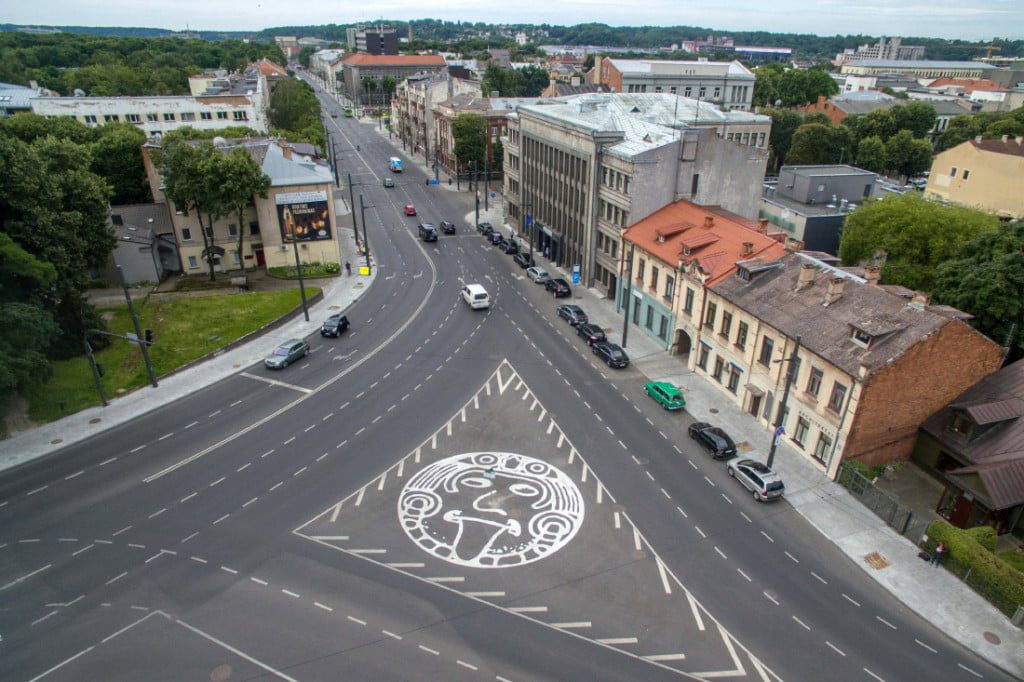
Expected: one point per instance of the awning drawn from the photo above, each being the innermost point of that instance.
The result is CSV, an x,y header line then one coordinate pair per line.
x,y
736,367
754,390
706,344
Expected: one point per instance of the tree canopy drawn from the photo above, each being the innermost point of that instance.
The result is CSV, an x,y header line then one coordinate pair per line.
x,y
815,143
470,133
775,85
295,112
914,235
526,82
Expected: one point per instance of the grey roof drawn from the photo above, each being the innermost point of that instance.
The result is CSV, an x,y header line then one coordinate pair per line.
x,y
567,89
826,330
145,216
16,96
918,64
821,170
864,102
996,469
298,170
671,67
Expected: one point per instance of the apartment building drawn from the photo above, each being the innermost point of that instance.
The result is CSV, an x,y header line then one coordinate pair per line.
x,y
917,68
873,361
494,109
356,67
728,85
299,207
885,48
578,171
327,65
984,174
413,110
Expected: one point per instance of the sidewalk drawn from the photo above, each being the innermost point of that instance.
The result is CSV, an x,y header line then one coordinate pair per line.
x,y
934,594
338,294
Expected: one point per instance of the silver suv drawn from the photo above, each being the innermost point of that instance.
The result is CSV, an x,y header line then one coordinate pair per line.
x,y
764,483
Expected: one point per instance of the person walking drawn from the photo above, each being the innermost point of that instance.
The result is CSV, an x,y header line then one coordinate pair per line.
x,y
938,553
348,268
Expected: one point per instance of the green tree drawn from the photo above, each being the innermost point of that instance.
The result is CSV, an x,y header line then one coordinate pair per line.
x,y
815,143
117,157
292,104
959,130
304,54
986,279
871,154
880,123
470,133
26,334
915,235
191,181
1007,126
784,124
241,179
917,117
907,155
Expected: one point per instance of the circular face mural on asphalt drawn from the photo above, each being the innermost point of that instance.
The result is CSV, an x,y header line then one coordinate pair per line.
x,y
490,509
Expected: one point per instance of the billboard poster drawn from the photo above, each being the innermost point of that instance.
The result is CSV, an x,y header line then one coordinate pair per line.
x,y
303,216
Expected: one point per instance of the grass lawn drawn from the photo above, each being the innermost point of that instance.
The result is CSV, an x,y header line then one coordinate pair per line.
x,y
183,330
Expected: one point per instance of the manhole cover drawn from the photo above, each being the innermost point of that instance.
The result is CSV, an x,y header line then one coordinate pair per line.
x,y
992,638
56,441
876,560
713,410
95,420
744,446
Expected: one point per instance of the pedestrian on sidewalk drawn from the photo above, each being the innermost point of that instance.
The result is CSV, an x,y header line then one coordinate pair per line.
x,y
348,268
938,553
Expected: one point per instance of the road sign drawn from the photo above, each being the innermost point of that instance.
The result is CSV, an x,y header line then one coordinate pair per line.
x,y
576,278
779,431
529,220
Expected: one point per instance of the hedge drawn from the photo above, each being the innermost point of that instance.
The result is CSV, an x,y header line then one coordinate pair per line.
x,y
987,574
309,270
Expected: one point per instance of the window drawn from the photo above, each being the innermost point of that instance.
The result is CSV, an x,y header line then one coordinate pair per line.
x,y
814,382
240,115
688,303
702,358
188,116
961,425
234,257
133,118
703,92
186,234
206,115
209,232
694,184
821,450
663,328
800,434
952,172
741,336
734,379
89,118
726,328
222,115
767,346
794,367
718,93
232,230
835,401
670,287
709,321
719,366
168,117
966,173
654,278
111,118
254,228
650,318
193,262
640,269
861,338
152,118
636,312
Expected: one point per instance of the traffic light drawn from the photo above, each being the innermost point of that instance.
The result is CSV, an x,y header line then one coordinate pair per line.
x,y
148,335
99,369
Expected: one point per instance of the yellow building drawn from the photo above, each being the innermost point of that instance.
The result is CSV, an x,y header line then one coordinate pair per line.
x,y
983,174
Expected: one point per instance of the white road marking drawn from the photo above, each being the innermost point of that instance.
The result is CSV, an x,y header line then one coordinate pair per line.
x,y
740,571
249,502
275,382
268,452
466,665
834,648
199,560
276,486
356,620
37,490
116,578
770,598
433,652
229,570
680,510
221,519
617,640
63,663
823,581
721,553
137,448
850,599
166,436
726,498
40,620
186,539
448,579
84,549
767,537
74,475
186,498
325,607
873,675
792,558
218,481
802,624
290,593
665,657
697,528
885,622
961,665
528,609
213,414
391,634
368,551
486,594
108,461
926,646
189,426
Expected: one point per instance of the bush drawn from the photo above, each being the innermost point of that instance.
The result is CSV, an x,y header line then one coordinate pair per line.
x,y
988,575
1014,559
870,473
314,269
984,536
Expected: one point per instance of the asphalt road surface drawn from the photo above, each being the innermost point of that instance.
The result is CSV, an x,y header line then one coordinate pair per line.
x,y
441,493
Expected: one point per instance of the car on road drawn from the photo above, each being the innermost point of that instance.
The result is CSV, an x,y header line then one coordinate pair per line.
x,y
485,229
335,325
761,481
334,114
427,232
448,227
537,274
287,353
510,247
558,287
523,259
476,296
573,314
666,394
388,182
591,333
496,238
612,354
410,209
714,439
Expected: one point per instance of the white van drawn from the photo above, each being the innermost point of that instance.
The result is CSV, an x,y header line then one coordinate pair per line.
x,y
476,296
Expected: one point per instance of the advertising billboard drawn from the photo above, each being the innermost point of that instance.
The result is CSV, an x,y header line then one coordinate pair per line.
x,y
303,216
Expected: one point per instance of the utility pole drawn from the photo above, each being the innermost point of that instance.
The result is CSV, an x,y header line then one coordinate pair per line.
x,y
487,166
352,203
95,368
528,226
366,238
138,330
629,294
477,207
298,270
778,430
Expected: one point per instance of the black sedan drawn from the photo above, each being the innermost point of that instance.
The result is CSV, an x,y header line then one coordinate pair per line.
x,y
591,333
335,325
559,288
714,439
573,314
510,247
524,259
485,229
447,226
496,238
612,355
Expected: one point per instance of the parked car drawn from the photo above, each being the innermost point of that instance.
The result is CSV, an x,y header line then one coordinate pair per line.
x,y
335,325
388,182
523,259
537,274
496,238
761,481
428,232
559,288
573,314
485,228
714,439
591,333
287,353
448,227
666,394
612,354
410,209
510,247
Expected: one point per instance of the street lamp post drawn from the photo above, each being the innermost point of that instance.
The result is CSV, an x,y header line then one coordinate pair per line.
x,y
629,294
779,428
298,270
366,239
138,329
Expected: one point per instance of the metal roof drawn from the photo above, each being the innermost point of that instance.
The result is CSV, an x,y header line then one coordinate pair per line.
x,y
919,64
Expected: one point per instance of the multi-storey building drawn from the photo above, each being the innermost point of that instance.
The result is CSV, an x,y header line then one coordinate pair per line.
x,y
672,256
983,174
226,101
299,207
356,67
494,109
872,364
728,85
327,65
917,68
413,114
376,40
886,48
580,170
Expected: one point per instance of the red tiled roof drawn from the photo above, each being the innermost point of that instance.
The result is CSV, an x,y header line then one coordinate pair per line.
x,y
681,224
968,84
269,68
363,59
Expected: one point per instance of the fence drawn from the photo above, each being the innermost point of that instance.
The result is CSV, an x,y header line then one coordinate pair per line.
x,y
897,515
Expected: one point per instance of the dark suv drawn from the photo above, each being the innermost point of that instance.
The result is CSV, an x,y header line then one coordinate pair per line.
x,y
485,228
558,287
612,354
523,259
510,247
428,232
714,439
573,314
591,333
448,227
335,325
496,238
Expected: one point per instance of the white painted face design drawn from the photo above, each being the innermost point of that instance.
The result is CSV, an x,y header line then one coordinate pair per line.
x,y
490,509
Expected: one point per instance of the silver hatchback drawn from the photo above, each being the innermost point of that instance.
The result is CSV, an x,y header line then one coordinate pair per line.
x,y
761,481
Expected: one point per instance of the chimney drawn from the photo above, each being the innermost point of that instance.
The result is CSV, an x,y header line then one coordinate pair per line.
x,y
793,245
835,290
806,278
978,139
1005,138
920,300
748,248
762,225
1019,140
872,274
709,222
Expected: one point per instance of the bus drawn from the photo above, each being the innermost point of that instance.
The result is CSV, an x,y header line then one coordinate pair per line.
x,y
396,164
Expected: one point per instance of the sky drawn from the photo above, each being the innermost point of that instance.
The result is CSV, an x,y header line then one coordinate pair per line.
x,y
966,19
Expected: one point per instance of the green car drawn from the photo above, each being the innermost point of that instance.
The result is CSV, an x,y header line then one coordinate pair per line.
x,y
670,397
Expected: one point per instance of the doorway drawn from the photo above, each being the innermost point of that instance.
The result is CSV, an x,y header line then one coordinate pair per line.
x,y
261,259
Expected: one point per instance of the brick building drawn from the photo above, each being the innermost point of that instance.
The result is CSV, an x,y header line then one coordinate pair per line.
x,y
356,67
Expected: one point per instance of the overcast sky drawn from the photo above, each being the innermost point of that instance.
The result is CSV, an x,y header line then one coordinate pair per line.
x,y
969,19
